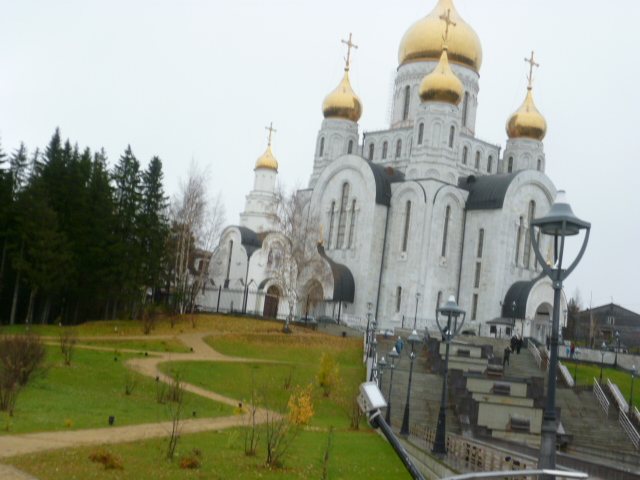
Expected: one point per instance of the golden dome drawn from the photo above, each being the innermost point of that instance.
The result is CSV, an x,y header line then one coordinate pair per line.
x,y
267,160
424,39
442,85
527,122
343,102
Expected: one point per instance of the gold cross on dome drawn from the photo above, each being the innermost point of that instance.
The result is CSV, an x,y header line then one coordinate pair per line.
x,y
271,130
446,18
531,65
349,44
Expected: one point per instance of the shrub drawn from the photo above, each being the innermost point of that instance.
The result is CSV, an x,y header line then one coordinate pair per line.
x,y
21,357
328,375
108,460
68,339
301,405
192,461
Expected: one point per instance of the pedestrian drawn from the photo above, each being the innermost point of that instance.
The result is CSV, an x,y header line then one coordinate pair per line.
x,y
519,344
572,350
426,334
568,351
399,345
507,354
514,341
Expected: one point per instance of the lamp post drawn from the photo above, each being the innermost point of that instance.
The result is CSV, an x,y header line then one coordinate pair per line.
x,y
634,370
382,364
413,339
615,362
576,353
558,223
452,311
603,350
415,319
369,307
374,346
393,354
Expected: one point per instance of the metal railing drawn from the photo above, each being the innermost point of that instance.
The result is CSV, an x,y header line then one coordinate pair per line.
x,y
536,353
557,474
629,429
568,379
617,396
600,396
636,414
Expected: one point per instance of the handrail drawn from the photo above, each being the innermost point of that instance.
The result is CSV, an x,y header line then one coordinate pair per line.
x,y
568,379
636,413
536,353
557,474
629,429
617,395
602,398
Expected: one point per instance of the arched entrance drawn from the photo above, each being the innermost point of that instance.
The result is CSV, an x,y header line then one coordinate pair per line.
x,y
541,325
311,302
271,302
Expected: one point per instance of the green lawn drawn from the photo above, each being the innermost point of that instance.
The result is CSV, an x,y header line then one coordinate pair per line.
x,y
85,394
622,379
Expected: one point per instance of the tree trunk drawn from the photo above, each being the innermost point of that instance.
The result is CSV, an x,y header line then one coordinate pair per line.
x,y
16,291
3,262
32,301
47,310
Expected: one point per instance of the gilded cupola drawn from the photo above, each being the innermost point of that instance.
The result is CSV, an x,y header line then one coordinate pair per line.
x,y
267,160
442,85
343,102
424,39
527,121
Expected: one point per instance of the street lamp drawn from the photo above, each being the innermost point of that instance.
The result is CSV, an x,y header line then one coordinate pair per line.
x,y
415,319
576,353
615,362
369,307
603,350
374,346
382,364
413,339
559,222
450,310
634,370
393,354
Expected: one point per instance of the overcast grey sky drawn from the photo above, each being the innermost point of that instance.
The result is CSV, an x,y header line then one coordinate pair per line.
x,y
201,79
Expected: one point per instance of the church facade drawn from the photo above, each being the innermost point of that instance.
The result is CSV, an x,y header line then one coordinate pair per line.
x,y
420,211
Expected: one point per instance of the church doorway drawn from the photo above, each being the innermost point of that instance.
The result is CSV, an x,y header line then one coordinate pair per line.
x,y
541,327
271,302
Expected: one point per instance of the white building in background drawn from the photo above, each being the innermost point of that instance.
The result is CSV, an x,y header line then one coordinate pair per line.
x,y
419,211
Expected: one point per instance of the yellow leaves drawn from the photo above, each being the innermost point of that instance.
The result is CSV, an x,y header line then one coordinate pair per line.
x,y
328,376
301,405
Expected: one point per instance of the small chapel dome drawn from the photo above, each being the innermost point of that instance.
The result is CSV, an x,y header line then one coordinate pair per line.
x,y
424,39
442,85
267,160
527,122
343,102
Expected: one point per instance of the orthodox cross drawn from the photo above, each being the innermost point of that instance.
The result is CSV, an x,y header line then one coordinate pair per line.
x,y
531,65
349,44
446,18
271,130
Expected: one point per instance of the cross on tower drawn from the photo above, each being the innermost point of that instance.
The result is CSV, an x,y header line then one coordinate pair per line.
x,y
531,65
271,130
446,18
349,44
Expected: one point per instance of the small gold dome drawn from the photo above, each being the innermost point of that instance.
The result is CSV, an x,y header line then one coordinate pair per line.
x,y
424,39
267,160
343,102
527,122
442,85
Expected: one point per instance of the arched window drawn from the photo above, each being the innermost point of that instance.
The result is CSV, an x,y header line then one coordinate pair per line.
x,y
465,106
371,151
342,218
352,227
480,242
465,153
489,163
474,307
420,133
350,147
478,160
385,147
510,165
445,231
539,164
398,298
452,134
527,239
229,262
476,280
407,222
407,97
398,148
331,215
519,238
321,147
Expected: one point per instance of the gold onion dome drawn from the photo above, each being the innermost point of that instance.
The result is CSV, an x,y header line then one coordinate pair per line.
x,y
442,85
267,160
424,39
527,122
343,102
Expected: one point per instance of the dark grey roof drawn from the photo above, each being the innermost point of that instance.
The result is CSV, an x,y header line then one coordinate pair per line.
x,y
384,177
519,293
344,286
249,240
487,192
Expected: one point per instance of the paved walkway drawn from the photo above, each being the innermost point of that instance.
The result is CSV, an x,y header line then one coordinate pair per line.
x,y
13,445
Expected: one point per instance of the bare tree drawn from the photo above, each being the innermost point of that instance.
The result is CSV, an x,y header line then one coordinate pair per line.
x,y
295,250
173,399
68,339
196,220
21,357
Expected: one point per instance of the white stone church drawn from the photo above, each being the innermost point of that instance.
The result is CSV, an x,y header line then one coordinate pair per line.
x,y
419,211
